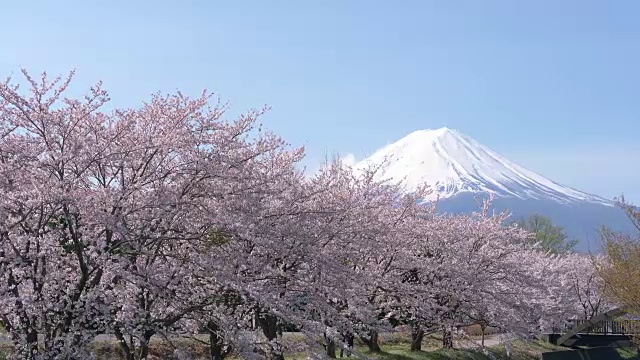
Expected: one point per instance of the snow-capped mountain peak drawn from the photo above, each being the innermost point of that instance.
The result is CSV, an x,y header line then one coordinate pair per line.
x,y
453,163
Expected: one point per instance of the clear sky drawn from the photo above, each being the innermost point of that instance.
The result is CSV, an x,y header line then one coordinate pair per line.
x,y
552,85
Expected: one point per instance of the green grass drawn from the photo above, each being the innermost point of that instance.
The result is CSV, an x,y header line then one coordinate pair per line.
x,y
5,350
521,351
627,353
395,351
401,353
394,348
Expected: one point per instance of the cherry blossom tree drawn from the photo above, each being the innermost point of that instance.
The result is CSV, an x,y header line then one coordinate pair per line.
x,y
576,292
587,287
169,219
388,229
343,221
472,269
51,276
107,216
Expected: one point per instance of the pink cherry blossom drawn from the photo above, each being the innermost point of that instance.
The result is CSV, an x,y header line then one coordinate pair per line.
x,y
170,219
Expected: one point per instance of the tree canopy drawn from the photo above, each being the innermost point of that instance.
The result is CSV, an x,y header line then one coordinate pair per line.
x,y
548,236
621,272
169,218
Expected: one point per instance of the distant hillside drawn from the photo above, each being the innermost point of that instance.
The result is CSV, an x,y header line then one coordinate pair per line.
x,y
581,221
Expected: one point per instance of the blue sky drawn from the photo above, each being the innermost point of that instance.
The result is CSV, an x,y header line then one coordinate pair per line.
x,y
552,85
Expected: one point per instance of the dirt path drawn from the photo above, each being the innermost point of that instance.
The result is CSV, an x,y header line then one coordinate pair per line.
x,y
489,340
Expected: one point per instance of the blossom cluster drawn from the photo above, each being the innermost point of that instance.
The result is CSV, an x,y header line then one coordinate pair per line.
x,y
170,219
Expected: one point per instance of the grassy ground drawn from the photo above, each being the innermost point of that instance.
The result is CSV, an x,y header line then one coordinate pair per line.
x,y
628,353
520,351
5,350
394,348
399,351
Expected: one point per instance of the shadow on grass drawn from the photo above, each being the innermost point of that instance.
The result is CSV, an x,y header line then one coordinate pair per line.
x,y
520,350
401,354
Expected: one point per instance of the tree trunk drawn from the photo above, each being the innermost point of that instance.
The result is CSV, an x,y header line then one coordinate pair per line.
x,y
268,323
417,334
373,342
347,338
482,327
143,349
31,351
447,338
217,349
129,350
125,350
331,347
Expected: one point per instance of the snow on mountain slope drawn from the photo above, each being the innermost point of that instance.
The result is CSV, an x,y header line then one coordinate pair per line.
x,y
453,163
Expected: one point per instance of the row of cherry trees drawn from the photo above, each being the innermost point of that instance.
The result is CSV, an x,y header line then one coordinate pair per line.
x,y
167,219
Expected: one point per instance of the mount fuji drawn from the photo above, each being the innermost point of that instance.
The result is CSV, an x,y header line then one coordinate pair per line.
x,y
459,169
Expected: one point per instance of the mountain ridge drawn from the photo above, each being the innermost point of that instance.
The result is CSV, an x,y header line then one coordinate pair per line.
x,y
453,163
459,169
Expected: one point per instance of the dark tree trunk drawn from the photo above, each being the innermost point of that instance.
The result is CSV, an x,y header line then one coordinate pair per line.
x,y
125,350
217,350
128,349
417,334
482,327
269,325
348,339
143,350
373,342
32,344
447,338
330,347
